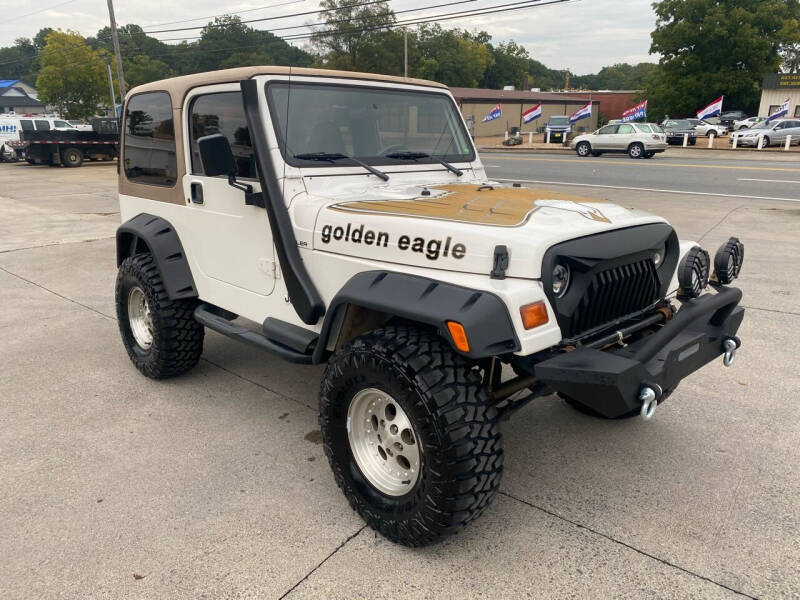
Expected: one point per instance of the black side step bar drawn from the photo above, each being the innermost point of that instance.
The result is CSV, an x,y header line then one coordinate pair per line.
x,y
205,315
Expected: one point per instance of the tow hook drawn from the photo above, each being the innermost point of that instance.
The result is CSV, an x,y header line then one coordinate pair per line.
x,y
730,347
649,396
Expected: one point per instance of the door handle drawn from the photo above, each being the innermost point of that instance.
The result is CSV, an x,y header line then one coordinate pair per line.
x,y
196,192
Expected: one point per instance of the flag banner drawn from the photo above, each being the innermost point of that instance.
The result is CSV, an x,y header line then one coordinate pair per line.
x,y
495,113
712,110
634,114
782,111
582,113
534,112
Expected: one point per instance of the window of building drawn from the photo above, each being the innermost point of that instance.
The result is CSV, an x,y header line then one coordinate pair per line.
x,y
797,111
42,125
149,150
773,108
222,113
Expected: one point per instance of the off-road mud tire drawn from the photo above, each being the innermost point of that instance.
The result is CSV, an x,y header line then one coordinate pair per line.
x,y
177,338
449,408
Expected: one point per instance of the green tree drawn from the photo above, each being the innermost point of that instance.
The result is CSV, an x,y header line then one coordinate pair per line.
x,y
509,66
711,48
451,56
143,69
73,75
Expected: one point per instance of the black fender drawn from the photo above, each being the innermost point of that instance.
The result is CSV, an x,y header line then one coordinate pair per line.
x,y
148,233
484,315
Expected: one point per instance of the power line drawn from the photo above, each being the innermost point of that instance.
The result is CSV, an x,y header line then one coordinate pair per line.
x,y
301,14
36,12
238,12
274,29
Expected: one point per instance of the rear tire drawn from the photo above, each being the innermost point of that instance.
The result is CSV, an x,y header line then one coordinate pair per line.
x,y
583,149
160,335
446,414
636,150
71,157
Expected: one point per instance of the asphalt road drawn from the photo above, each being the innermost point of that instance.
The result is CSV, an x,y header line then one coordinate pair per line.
x,y
739,179
214,484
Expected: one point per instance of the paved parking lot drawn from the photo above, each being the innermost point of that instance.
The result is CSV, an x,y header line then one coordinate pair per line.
x,y
214,485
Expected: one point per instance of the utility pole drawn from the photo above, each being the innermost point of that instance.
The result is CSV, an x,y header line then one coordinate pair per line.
x,y
111,90
566,80
115,39
405,50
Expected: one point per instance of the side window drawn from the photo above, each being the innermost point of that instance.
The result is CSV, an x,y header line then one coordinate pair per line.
x,y
608,129
222,113
149,148
42,125
26,124
625,129
63,124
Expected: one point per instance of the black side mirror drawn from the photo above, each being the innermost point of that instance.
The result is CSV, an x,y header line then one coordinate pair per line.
x,y
216,155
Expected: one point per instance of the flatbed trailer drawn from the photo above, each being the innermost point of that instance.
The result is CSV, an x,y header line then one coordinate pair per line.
x,y
68,148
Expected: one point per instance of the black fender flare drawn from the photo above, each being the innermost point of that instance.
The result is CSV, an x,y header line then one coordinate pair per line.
x,y
484,315
162,241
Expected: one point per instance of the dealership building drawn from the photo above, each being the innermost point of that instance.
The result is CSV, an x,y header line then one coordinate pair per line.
x,y
774,91
476,103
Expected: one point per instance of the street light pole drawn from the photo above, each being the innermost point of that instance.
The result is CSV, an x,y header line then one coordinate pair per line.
x,y
115,40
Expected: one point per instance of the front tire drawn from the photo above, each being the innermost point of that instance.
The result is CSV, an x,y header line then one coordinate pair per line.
x,y
583,149
160,335
448,428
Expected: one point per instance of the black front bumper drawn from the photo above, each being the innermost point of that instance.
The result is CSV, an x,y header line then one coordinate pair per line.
x,y
610,381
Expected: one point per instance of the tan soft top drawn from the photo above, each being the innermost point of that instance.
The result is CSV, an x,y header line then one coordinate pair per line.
x,y
179,86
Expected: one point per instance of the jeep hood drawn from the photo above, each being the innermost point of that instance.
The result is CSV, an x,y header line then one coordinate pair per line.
x,y
457,226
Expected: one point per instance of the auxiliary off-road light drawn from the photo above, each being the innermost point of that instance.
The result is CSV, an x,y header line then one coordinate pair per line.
x,y
693,272
459,335
534,314
728,261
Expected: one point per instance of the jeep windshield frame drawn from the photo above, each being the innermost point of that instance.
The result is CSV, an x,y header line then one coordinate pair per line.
x,y
366,123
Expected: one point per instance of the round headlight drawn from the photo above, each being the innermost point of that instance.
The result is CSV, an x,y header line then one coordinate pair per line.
x,y
560,280
658,255
728,260
693,272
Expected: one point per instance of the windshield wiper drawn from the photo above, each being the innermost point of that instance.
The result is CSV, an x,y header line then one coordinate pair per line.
x,y
418,155
334,156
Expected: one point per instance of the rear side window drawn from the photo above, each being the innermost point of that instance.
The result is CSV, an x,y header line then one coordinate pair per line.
x,y
149,149
27,125
42,125
625,129
222,113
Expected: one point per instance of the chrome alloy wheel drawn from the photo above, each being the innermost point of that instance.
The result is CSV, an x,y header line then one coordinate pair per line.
x,y
383,442
140,318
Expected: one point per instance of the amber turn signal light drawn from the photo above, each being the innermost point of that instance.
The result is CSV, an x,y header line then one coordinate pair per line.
x,y
459,335
534,314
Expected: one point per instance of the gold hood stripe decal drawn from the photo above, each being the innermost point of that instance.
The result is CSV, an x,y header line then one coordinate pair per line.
x,y
502,207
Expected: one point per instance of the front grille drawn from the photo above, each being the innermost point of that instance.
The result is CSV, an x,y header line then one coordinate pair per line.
x,y
612,294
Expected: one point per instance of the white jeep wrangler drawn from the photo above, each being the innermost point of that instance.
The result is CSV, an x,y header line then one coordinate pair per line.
x,y
346,218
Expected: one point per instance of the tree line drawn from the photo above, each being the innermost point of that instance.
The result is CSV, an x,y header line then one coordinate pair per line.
x,y
707,48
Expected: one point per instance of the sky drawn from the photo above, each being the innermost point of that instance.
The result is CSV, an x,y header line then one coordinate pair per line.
x,y
583,35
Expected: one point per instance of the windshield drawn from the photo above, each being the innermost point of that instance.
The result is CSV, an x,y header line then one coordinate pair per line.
x,y
365,123
680,124
559,121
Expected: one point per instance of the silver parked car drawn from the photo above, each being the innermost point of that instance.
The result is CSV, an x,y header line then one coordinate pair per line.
x,y
774,133
703,127
638,140
748,122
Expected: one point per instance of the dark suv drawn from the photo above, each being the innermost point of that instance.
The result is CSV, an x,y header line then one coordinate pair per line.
x,y
728,117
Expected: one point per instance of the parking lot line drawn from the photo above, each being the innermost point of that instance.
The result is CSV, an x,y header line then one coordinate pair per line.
x,y
638,189
655,163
